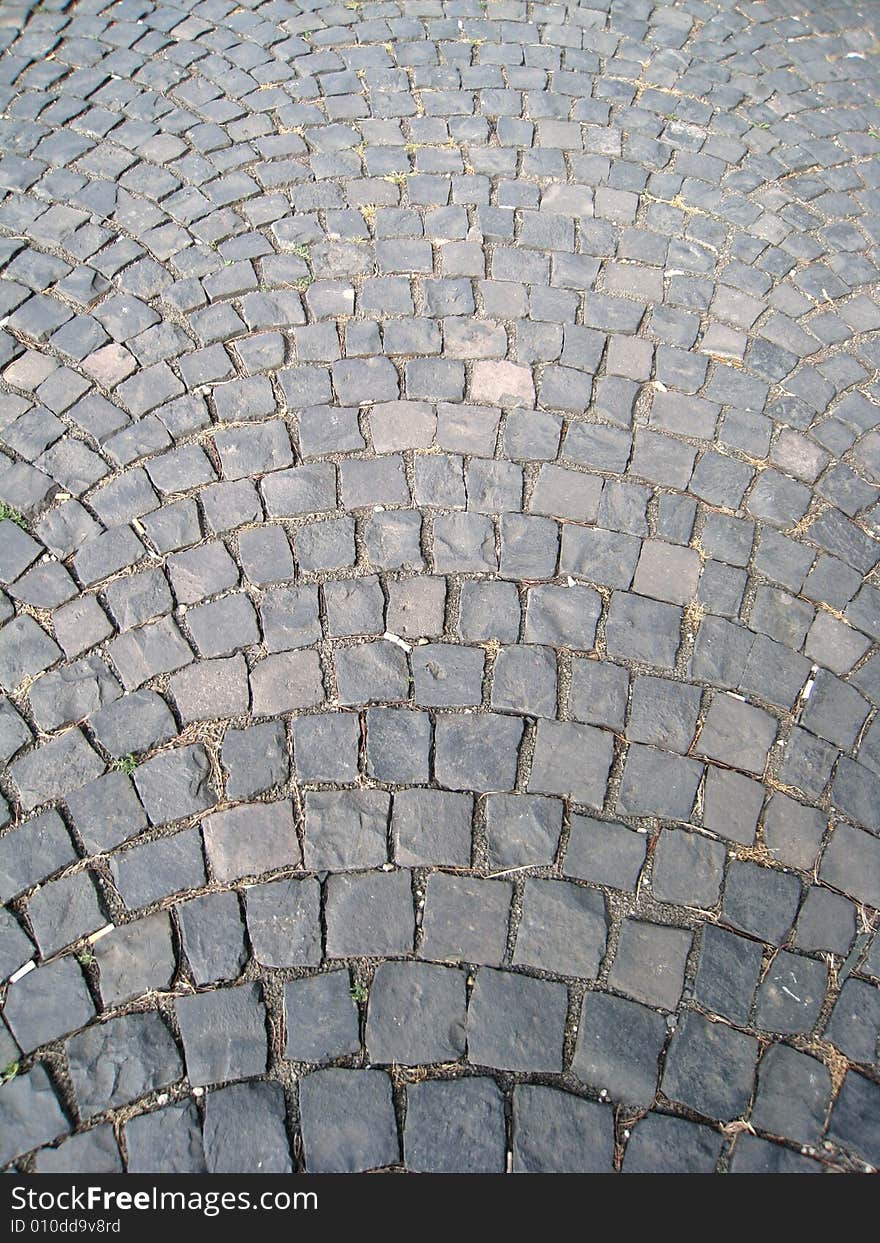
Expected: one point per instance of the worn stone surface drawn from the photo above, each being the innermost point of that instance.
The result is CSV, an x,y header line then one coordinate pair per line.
x,y
557,1133
416,1014
455,1127
439,517
116,1062
224,1034
244,1131
348,1121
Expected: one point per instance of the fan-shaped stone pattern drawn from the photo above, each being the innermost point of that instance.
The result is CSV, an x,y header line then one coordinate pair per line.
x,y
439,450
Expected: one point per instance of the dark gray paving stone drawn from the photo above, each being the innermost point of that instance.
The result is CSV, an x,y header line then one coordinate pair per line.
x,y
641,629
72,693
327,545
853,1123
515,1022
559,1133
524,680
826,922
736,734
760,901
455,1126
416,607
618,1047
255,759
464,543
793,1095
175,784
283,920
327,746
244,1130
106,812
522,829
369,914
650,962
688,869
728,971
663,713
321,1018
710,1067
793,833
51,769
660,1144
398,745
250,840
212,936
416,1014
563,929
116,1062
477,752
135,958
223,1033
562,616
854,1026
354,606
851,863
48,1003
448,675
732,804
466,918
138,598
91,1152
348,1121
14,731
15,945
572,761
19,551
201,572
489,610
658,783
758,1156
32,851
834,711
667,572
285,683
791,994
346,829
154,870
604,852
431,827
374,672
221,626
168,1141
134,724
30,1112
63,911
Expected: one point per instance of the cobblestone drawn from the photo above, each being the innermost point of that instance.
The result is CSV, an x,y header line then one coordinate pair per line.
x,y
439,493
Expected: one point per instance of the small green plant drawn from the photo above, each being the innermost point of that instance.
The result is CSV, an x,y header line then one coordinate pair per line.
x,y
9,1072
302,251
127,764
8,513
303,283
359,992
86,958
762,125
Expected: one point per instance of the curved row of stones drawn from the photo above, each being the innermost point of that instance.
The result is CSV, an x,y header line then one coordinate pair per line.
x,y
440,487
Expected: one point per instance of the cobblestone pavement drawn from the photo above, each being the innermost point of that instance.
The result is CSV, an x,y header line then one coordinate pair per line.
x,y
440,476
